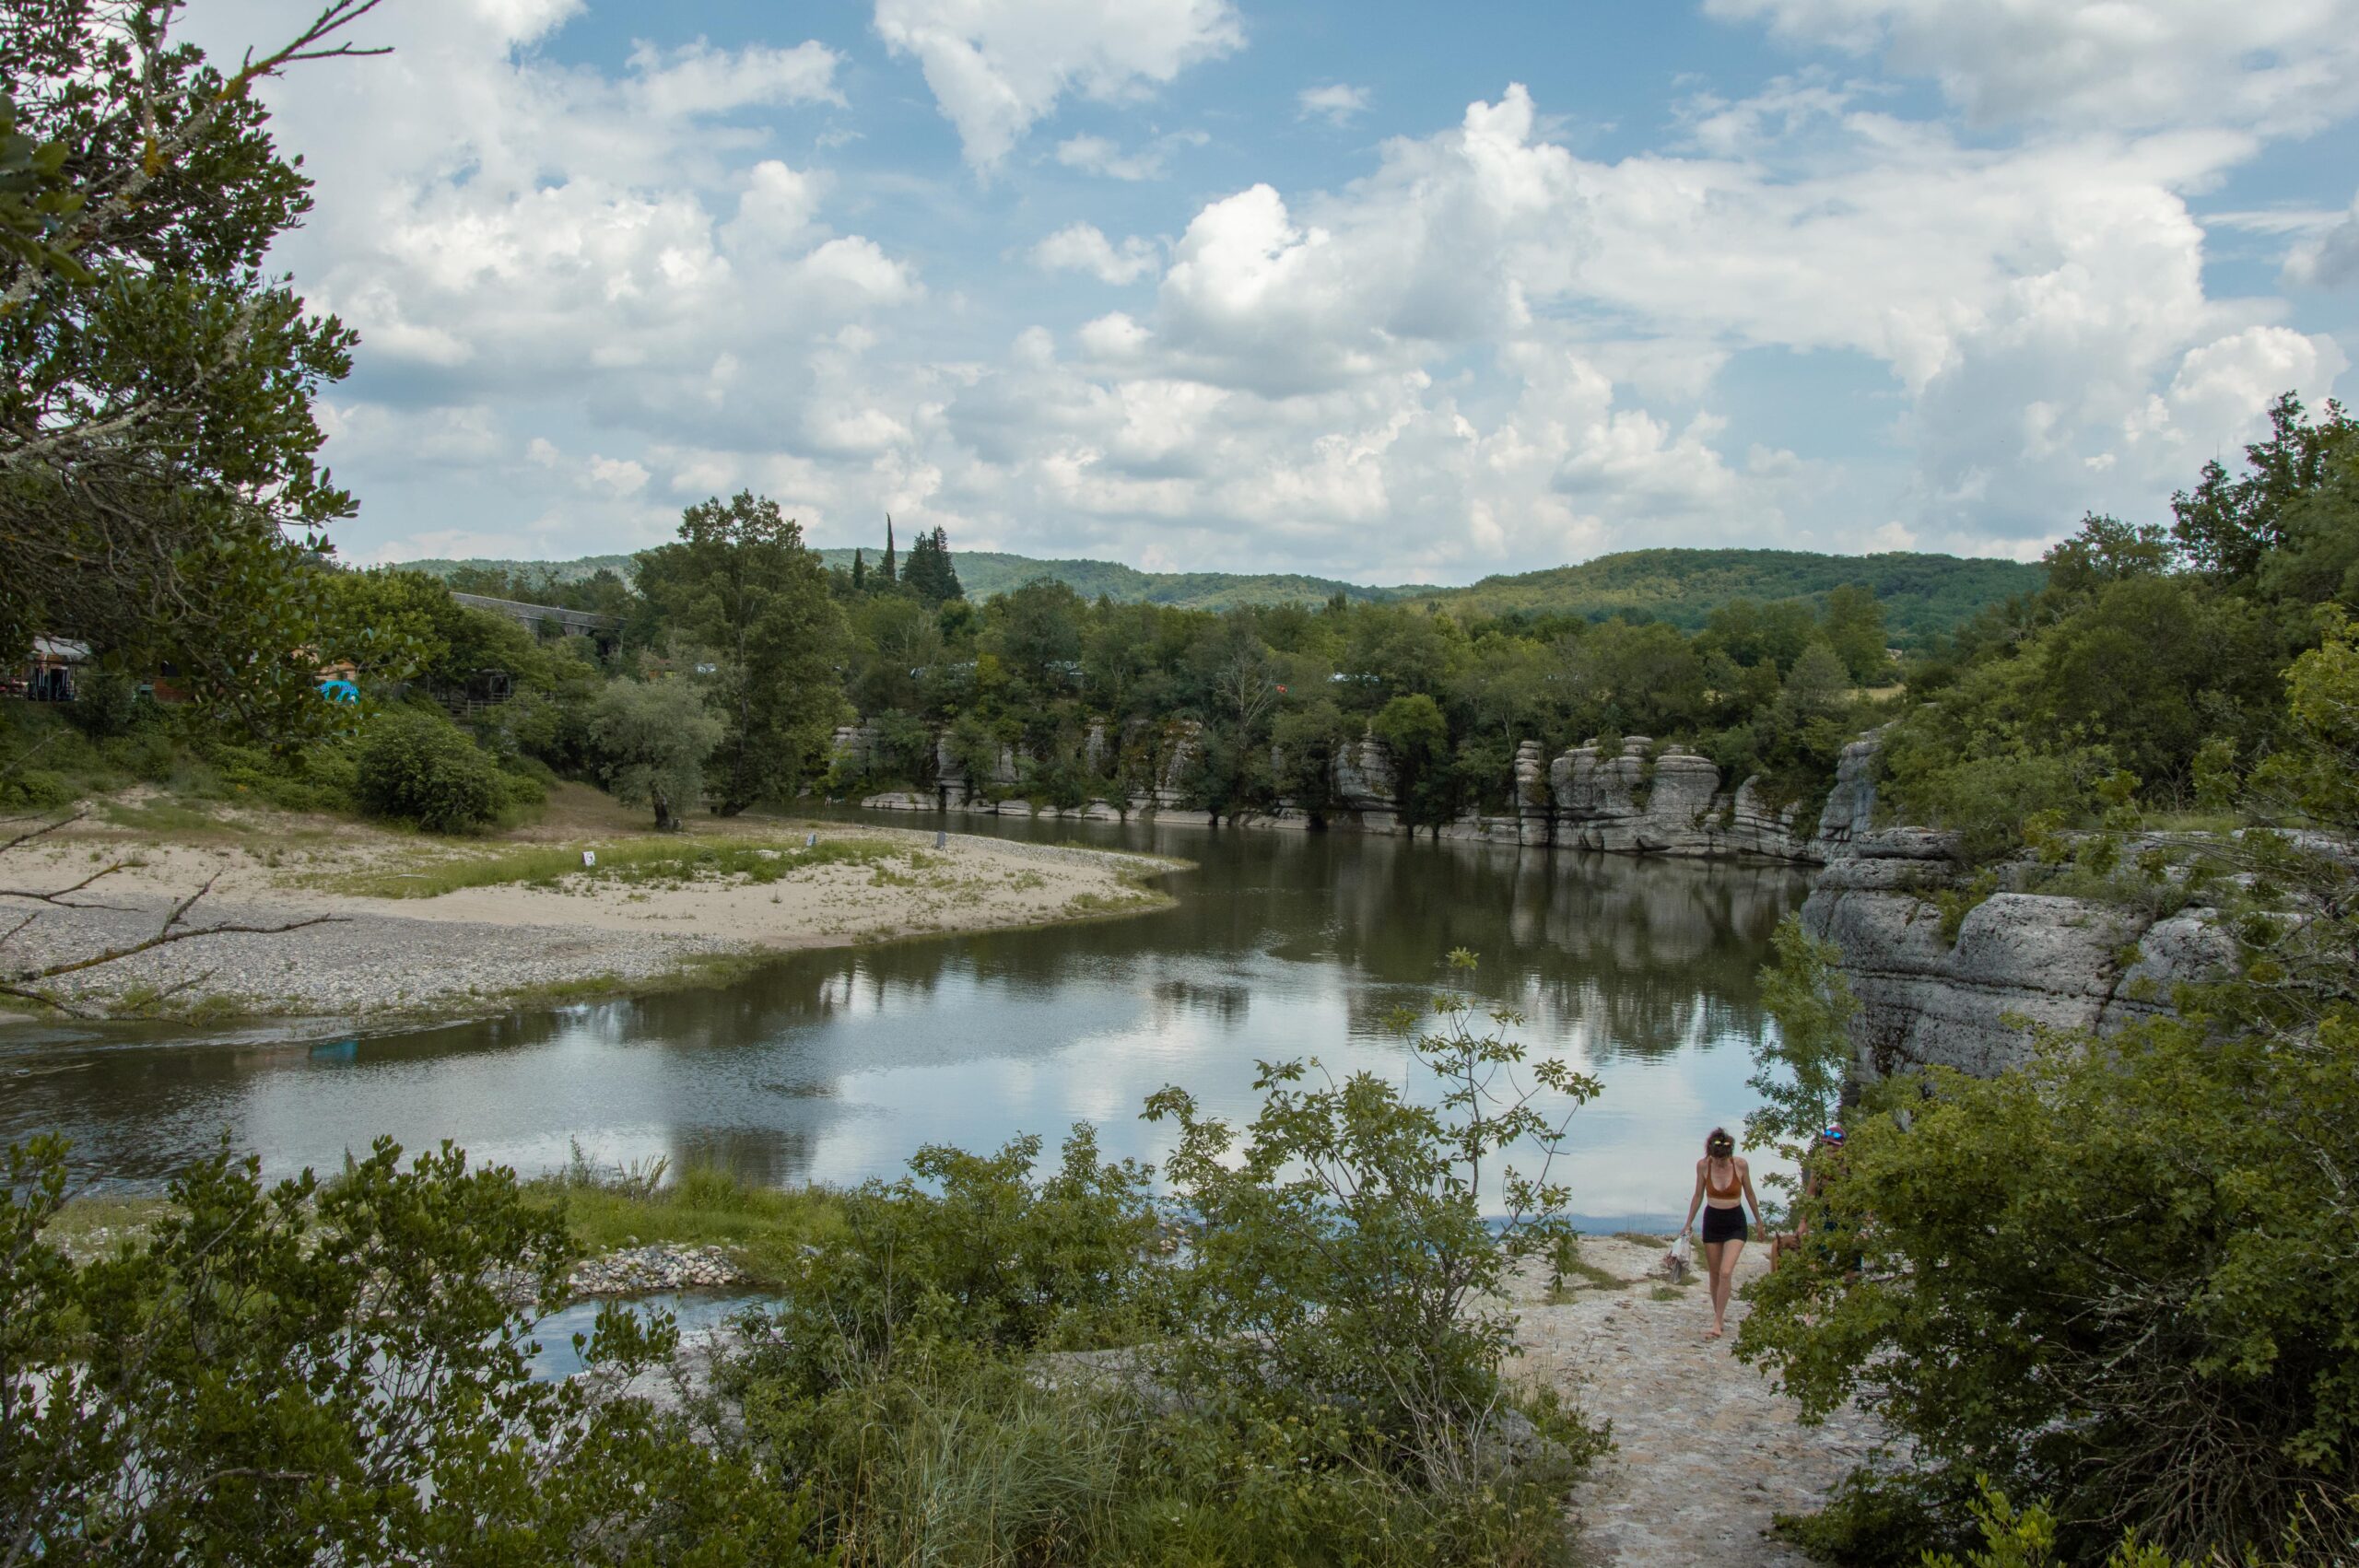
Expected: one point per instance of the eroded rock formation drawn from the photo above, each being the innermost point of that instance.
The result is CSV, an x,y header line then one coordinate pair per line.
x,y
2018,960
1638,800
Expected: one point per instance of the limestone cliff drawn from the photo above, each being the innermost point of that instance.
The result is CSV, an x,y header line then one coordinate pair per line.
x,y
1638,799
2019,959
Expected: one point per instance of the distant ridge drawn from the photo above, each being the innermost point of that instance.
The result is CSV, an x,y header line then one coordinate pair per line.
x,y
986,572
1922,594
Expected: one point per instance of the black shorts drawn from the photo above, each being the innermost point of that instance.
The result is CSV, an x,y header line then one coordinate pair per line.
x,y
1723,1224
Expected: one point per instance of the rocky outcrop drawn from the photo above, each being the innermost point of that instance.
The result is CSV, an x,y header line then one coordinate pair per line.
x,y
1630,798
1361,778
1633,798
852,746
2019,960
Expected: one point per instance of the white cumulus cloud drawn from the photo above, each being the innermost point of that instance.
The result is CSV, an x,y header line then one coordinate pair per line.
x,y
1339,102
997,67
1081,247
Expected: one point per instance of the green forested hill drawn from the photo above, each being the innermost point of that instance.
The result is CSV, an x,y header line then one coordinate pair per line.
x,y
1922,594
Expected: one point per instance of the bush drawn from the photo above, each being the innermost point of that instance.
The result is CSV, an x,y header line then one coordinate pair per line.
x,y
969,1250
2111,1278
1298,1360
1988,801
339,1372
148,756
413,765
36,789
1341,1257
2118,1278
652,743
108,704
322,777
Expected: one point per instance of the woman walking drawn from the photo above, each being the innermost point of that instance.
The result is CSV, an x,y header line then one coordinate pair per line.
x,y
1723,1187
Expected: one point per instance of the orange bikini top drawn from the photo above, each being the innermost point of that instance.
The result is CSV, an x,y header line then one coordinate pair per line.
x,y
1736,1182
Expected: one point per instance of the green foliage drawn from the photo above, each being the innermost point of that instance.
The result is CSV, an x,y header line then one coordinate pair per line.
x,y
1296,1360
2318,778
928,572
1798,1070
413,765
1988,801
337,1371
2117,1277
2025,1537
970,1253
2231,525
36,198
323,776
161,452
1340,1255
741,587
1417,737
1852,625
107,703
650,743
2099,1277
1922,595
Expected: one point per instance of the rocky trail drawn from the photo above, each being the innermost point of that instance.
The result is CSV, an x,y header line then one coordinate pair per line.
x,y
1706,1451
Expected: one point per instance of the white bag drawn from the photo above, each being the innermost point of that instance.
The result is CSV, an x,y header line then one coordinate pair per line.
x,y
1677,1257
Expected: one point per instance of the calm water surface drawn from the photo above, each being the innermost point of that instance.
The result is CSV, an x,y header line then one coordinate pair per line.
x,y
834,1067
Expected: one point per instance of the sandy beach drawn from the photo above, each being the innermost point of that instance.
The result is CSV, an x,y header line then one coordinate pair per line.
x,y
654,911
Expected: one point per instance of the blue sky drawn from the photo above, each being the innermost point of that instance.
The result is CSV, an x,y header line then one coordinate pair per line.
x,y
1384,291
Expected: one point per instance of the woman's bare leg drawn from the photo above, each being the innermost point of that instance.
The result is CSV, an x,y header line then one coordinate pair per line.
x,y
1723,1282
1712,1250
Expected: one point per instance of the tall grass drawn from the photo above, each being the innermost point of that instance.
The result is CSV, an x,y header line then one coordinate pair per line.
x,y
700,1206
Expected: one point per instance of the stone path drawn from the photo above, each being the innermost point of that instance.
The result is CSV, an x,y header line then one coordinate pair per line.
x,y
1705,1451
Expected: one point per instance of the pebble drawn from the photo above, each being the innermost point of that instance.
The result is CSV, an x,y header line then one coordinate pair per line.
x,y
355,967
639,1270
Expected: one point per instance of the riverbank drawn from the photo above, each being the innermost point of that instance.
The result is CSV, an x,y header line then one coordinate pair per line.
x,y
400,925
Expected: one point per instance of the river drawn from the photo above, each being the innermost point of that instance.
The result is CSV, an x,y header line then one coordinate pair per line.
x,y
834,1066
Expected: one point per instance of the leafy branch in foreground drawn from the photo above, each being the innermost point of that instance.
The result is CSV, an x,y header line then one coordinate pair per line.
x,y
1800,1068
339,1371
1342,1255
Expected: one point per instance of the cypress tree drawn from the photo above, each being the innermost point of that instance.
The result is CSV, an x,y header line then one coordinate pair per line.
x,y
930,571
888,547
859,572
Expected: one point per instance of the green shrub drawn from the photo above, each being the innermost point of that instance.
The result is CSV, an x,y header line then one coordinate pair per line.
x,y
108,704
2118,1278
340,1371
36,789
322,777
148,756
413,765
970,1249
1341,1257
1988,801
1298,1360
